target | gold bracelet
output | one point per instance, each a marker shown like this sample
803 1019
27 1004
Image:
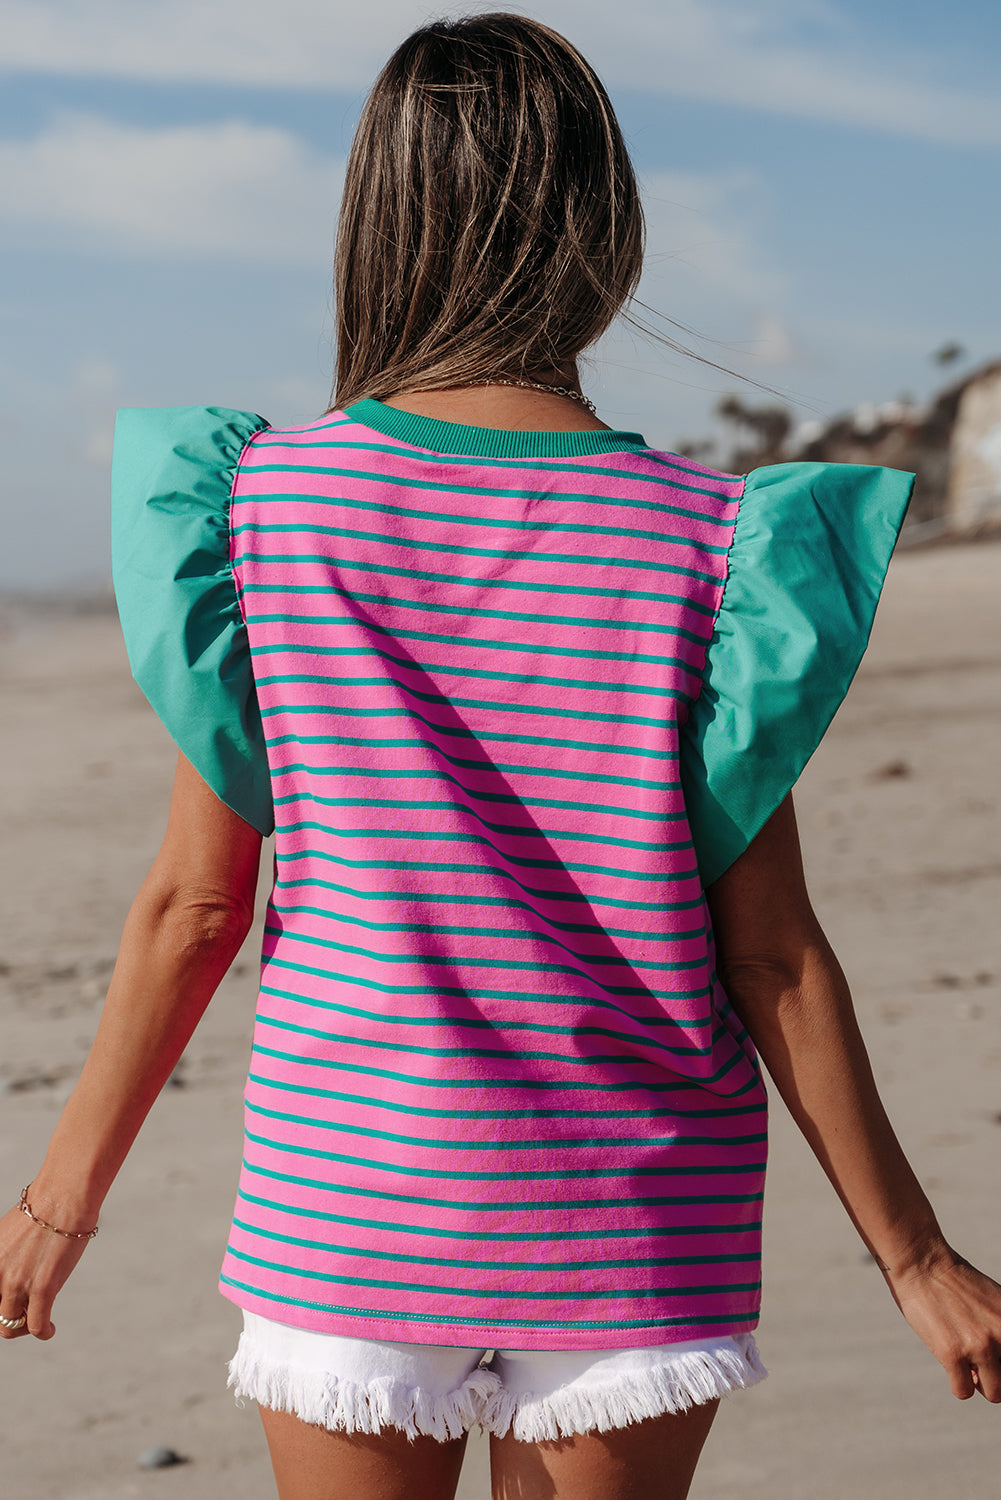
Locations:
68 1234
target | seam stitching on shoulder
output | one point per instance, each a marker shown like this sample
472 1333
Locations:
722 595
229 518
729 554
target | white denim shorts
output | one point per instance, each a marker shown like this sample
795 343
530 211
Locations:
363 1385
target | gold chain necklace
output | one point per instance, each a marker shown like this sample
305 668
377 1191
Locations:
556 390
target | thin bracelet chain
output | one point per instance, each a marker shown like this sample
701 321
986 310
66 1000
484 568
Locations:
68 1234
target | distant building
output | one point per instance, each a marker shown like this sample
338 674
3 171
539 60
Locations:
952 444
973 499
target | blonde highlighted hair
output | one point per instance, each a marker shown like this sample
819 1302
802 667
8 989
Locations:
491 222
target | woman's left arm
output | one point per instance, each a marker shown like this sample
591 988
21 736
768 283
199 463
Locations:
183 931
787 987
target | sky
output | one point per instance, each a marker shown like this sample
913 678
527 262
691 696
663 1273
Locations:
820 179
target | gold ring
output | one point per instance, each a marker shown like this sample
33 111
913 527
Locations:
14 1322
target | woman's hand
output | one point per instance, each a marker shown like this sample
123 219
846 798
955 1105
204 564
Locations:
182 933
787 987
956 1311
34 1265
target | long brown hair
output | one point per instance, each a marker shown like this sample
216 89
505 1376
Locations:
491 221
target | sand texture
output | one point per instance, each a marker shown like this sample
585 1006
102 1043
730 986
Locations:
899 816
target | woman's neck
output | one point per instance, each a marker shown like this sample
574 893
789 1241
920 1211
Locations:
511 407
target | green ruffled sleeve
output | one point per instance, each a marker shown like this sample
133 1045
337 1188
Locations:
810 551
171 478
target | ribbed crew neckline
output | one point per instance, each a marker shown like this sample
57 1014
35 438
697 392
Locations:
485 442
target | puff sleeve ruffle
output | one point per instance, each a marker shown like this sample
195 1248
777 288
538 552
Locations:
810 551
172 475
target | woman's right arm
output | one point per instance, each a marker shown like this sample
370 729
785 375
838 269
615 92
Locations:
788 989
184 929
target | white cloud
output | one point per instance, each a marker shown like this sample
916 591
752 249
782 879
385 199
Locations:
774 343
732 55
231 188
307 42
803 58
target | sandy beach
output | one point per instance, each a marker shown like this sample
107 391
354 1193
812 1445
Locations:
899 814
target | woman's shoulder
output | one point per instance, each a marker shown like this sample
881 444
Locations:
867 485
172 473
810 551
148 438
171 480
813 534
793 482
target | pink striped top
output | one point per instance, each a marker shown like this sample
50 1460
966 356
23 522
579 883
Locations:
510 700
497 1095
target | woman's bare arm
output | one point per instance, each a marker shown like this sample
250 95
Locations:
183 931
787 987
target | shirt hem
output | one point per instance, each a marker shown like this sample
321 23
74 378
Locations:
483 1335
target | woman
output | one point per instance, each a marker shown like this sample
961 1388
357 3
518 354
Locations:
524 701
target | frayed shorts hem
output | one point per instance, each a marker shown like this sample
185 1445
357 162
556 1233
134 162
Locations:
360 1385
